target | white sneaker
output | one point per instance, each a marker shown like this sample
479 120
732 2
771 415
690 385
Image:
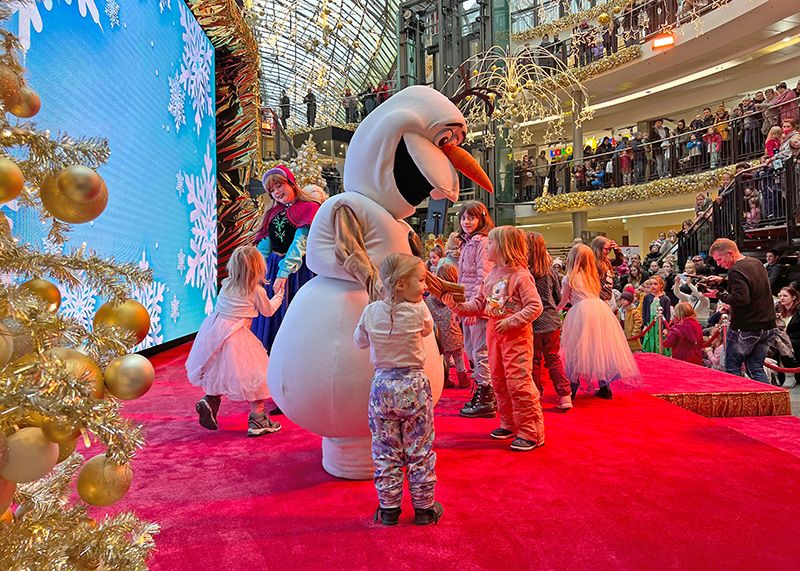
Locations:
564 402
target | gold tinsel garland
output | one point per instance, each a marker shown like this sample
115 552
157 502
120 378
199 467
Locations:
49 534
609 62
303 130
693 183
568 21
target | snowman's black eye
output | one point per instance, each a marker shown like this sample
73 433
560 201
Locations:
444 137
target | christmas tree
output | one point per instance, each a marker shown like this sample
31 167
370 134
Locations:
59 380
306 166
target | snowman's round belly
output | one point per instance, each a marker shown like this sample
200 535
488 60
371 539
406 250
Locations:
316 375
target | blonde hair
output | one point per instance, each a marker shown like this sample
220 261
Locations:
394 268
302 194
775 133
582 269
246 269
539 261
512 245
682 311
448 272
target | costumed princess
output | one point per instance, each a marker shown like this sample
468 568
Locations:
404 152
594 350
282 239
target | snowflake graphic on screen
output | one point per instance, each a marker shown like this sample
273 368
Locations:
202 196
79 302
176 102
112 11
195 72
175 308
151 296
181 261
51 247
30 16
179 186
163 4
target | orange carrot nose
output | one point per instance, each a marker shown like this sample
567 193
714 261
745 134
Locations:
467 165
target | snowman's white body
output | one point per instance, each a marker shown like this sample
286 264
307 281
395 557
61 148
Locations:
316 375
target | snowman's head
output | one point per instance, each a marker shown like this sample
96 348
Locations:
407 149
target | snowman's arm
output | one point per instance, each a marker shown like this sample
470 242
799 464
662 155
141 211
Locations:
351 252
436 285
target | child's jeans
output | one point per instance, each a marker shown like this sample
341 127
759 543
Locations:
510 358
545 356
401 422
475 346
455 359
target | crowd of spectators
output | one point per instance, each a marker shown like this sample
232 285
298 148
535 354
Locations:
762 126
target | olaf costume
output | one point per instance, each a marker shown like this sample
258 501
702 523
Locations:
402 153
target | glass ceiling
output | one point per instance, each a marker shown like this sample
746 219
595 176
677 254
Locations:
327 46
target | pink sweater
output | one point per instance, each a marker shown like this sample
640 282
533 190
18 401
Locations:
473 265
506 293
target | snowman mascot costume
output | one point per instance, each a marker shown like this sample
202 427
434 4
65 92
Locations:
403 152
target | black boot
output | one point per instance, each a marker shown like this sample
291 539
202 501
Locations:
471 403
485 406
604 392
387 516
463 381
427 516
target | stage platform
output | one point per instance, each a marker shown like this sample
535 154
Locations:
630 483
709 392
782 432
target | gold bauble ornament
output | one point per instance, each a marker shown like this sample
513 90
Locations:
45 291
27 105
21 339
77 195
30 456
65 450
60 432
9 86
32 417
617 10
130 315
604 18
130 376
81 367
7 489
11 180
102 482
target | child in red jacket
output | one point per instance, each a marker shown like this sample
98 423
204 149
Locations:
685 335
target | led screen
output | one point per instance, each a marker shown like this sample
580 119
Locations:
141 75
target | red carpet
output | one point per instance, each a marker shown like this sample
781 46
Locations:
782 432
708 392
633 483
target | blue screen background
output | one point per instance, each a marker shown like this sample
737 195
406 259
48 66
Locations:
143 78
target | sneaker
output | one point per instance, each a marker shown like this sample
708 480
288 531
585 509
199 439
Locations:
427 516
260 425
522 444
207 408
501 433
387 516
564 402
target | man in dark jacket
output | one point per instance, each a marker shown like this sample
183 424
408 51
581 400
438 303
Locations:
659 137
285 106
747 292
775 271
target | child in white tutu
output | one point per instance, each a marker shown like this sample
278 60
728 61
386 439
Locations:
593 346
226 358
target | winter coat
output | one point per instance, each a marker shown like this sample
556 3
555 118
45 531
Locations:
686 340
474 265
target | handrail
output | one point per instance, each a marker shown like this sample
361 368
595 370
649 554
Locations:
281 131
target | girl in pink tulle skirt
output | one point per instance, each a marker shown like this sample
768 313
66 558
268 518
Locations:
593 345
226 359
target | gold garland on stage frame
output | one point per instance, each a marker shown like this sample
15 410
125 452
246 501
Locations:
687 184
238 121
59 380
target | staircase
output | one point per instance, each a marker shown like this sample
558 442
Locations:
776 229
